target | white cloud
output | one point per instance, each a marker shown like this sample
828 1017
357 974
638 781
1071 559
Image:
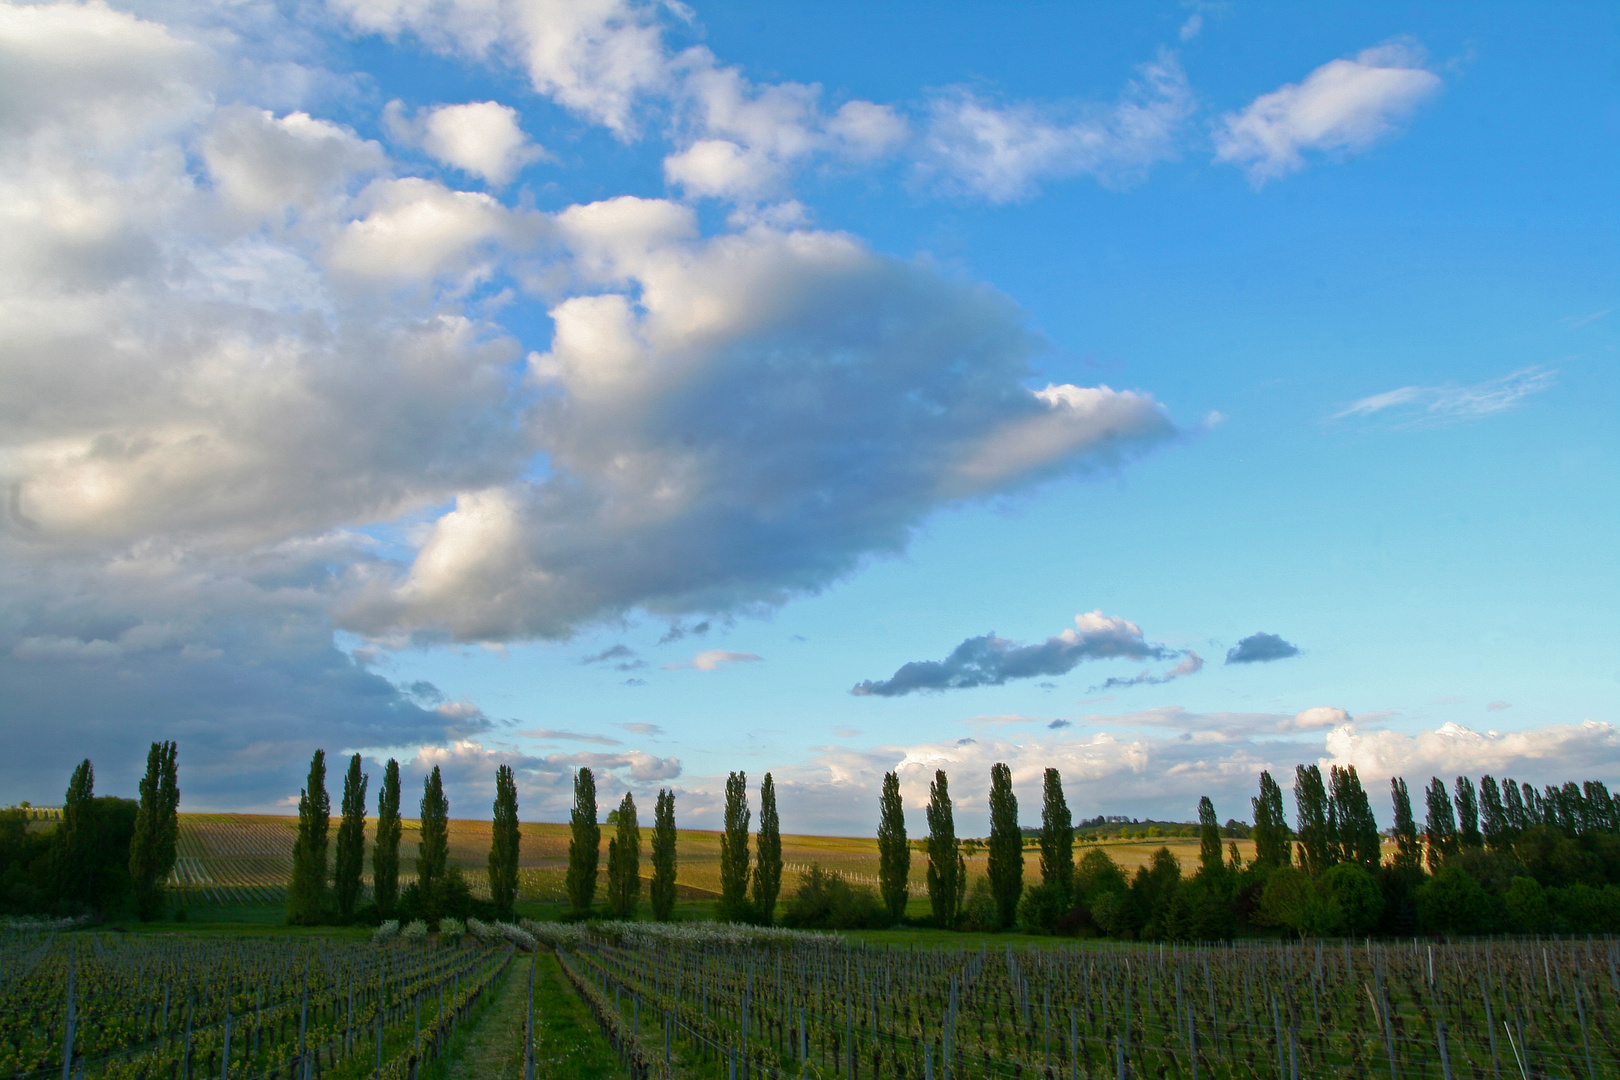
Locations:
1343 106
659 498
1001 152
1320 716
481 138
711 659
420 230
1422 405
1554 753
263 165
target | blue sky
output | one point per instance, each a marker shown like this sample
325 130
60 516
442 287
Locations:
602 383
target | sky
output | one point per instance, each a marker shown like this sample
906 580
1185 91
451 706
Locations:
1159 392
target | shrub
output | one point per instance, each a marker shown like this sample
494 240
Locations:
1040 909
1352 888
1527 907
414 931
451 929
1451 902
825 901
386 932
980 913
1112 912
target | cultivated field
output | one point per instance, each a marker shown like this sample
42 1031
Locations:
247 858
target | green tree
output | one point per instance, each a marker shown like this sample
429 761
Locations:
1315 830
1209 839
1292 900
734 851
1513 810
1354 891
1526 903
385 853
584 843
433 850
152 849
663 856
768 868
1440 826
1006 848
504 843
1451 902
74 848
1270 832
1351 809
1408 852
624 861
1468 834
1057 841
350 856
945 885
894 853
306 893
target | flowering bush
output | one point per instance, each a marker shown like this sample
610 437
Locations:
386 932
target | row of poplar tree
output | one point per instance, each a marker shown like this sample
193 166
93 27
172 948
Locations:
746 895
314 896
106 853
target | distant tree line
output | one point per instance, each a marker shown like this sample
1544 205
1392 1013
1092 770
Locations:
106 855
1491 858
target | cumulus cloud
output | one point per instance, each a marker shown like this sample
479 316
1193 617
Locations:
1418 406
991 661
1192 664
1556 752
874 391
1001 152
1320 716
481 138
1260 648
1343 106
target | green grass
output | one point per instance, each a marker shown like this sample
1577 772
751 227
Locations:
568 1044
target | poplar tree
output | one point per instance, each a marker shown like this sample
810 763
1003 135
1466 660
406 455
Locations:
945 863
1270 833
350 856
734 851
1513 808
385 853
152 848
894 853
1600 816
1358 829
1006 847
1494 827
433 850
663 856
73 847
1408 852
1209 839
307 891
768 869
1057 840
584 843
1534 812
1311 815
624 861
504 841
1440 825
1468 834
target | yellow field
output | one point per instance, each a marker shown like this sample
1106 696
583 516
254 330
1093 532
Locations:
247 858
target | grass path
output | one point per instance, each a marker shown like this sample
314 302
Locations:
569 1046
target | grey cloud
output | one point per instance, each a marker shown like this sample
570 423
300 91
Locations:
1191 665
626 657
677 631
991 661
1260 648
643 729
570 736
635 682
1059 725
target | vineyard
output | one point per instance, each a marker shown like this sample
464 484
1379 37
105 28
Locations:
817 1006
177 1008
702 1000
